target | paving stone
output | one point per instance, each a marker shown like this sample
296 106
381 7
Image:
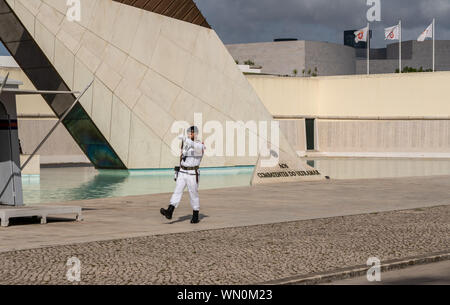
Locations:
242 255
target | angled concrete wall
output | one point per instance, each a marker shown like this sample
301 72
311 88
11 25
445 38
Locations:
185 10
42 74
150 70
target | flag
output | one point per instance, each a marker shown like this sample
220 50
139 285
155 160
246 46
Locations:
392 33
428 33
361 35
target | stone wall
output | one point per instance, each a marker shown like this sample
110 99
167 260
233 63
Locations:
280 58
295 132
329 58
398 136
414 54
383 115
372 138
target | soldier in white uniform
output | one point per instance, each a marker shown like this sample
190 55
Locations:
188 175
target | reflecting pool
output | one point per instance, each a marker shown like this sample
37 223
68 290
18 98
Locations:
79 183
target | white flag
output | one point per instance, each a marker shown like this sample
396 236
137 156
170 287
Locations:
361 35
428 33
392 33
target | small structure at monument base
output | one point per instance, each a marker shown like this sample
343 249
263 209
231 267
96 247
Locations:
288 169
11 166
10 173
42 212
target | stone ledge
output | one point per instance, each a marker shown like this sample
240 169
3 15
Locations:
40 211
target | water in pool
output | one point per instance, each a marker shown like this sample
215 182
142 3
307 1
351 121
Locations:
79 183
68 184
370 168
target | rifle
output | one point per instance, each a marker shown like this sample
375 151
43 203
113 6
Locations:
177 168
181 155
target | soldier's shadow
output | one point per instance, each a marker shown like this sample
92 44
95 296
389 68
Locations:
188 217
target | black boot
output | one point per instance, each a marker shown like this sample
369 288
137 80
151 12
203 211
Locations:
195 217
168 213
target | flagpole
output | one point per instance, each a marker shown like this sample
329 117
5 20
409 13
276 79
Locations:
434 44
400 47
368 48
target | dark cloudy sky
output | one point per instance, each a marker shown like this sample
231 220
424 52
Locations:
240 21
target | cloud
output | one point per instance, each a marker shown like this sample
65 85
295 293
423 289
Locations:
238 21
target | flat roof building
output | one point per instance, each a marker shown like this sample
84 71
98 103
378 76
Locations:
283 57
311 58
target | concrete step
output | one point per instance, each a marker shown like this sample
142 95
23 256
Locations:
37 211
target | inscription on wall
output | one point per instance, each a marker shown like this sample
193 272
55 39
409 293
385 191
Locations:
286 172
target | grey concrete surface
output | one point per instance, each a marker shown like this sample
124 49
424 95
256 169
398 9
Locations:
282 58
429 274
275 58
240 255
329 58
115 218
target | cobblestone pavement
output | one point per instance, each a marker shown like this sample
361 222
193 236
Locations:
242 255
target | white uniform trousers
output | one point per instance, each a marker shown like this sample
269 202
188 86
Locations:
190 181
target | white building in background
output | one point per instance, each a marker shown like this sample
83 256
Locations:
308 58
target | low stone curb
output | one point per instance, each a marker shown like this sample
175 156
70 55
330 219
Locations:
361 270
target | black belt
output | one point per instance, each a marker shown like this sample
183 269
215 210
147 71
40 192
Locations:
195 168
190 168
